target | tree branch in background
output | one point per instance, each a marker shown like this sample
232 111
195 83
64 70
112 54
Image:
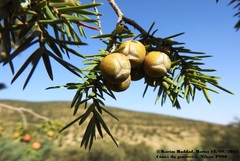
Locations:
21 111
237 5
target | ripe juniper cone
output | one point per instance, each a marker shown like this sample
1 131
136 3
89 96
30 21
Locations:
26 137
115 68
135 51
36 145
156 64
121 86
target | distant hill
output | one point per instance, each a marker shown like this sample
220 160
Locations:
140 136
155 130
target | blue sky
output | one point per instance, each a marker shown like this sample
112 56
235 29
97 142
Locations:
208 28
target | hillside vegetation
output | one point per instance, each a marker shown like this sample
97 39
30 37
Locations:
138 134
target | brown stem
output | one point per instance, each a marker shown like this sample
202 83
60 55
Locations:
134 24
117 10
127 20
98 18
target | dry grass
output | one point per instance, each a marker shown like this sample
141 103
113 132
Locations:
155 130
